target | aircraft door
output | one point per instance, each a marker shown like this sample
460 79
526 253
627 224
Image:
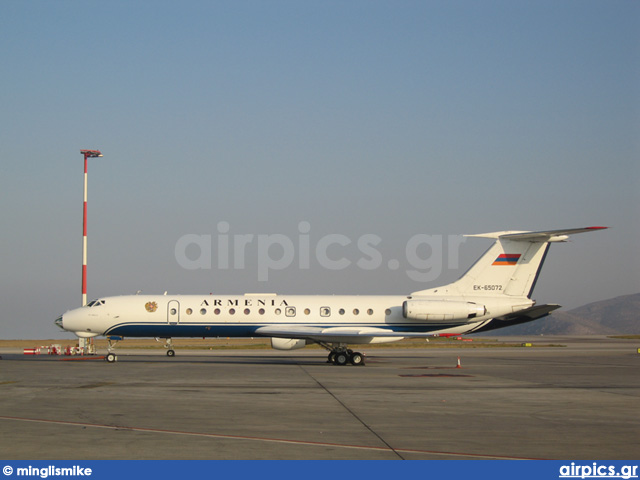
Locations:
173 312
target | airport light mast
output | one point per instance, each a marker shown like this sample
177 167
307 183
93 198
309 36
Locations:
87 154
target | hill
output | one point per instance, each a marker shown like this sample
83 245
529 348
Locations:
620 315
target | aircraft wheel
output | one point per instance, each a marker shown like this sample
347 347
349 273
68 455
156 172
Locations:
111 357
341 358
356 358
171 353
332 357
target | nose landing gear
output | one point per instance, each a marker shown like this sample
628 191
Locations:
168 344
112 341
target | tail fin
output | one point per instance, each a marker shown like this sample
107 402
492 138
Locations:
510 267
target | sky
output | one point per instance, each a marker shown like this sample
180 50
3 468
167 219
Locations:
301 147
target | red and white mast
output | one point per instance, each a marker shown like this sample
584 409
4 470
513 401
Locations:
87 154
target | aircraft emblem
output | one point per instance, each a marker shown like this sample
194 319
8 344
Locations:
151 306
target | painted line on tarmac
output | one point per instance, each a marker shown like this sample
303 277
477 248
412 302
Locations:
259 439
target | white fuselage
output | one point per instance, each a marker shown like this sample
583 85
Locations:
241 316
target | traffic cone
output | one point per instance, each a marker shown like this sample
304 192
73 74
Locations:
458 366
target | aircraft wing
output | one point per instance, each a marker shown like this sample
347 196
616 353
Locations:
332 334
339 334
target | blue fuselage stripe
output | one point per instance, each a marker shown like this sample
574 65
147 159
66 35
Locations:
200 330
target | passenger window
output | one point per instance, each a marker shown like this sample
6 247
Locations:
356 311
325 311
290 311
370 312
341 311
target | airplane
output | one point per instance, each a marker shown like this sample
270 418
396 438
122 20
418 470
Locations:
494 293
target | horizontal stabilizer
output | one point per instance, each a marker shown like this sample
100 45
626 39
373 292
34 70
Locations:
543 236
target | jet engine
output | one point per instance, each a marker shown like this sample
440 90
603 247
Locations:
434 310
288 343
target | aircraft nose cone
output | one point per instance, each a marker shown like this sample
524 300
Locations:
58 322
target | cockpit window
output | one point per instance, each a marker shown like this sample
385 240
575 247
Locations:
95 303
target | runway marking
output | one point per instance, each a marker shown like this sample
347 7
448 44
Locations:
75 359
353 414
430 368
260 439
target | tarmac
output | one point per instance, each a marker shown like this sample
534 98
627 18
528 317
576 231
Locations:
580 400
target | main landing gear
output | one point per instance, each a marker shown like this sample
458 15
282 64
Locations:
168 344
341 355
